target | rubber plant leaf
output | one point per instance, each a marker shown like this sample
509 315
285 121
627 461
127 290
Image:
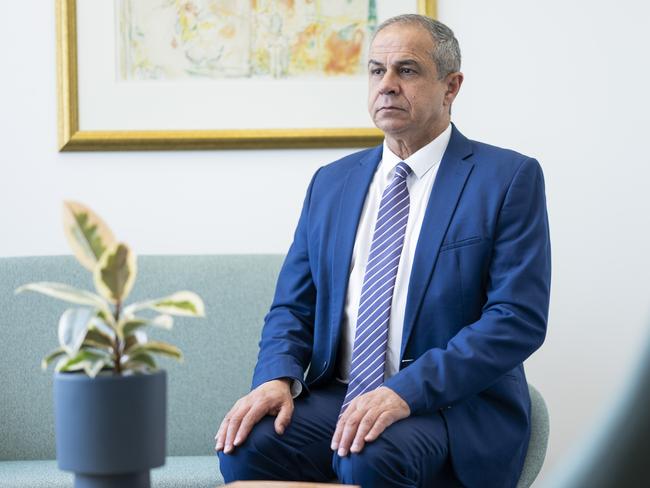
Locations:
89 361
66 293
58 352
115 273
73 327
87 234
142 361
154 347
180 303
131 325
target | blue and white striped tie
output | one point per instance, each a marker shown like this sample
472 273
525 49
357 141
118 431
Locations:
371 336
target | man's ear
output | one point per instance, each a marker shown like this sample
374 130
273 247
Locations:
454 81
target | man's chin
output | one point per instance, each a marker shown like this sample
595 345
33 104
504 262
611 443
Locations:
391 127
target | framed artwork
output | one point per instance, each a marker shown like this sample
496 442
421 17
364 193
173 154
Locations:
209 74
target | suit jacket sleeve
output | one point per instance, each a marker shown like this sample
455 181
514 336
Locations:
288 332
512 324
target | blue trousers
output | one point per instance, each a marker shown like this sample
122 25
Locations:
413 452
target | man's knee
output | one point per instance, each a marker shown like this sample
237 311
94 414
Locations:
382 464
371 467
251 459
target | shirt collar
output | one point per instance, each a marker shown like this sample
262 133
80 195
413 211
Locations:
420 161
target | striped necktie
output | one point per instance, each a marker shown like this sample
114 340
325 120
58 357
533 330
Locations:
371 336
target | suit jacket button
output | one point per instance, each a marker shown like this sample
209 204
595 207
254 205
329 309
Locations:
324 364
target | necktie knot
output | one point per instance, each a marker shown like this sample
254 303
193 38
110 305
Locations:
402 170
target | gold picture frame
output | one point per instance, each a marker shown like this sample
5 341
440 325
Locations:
72 138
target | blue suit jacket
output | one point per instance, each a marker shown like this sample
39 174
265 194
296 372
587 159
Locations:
477 299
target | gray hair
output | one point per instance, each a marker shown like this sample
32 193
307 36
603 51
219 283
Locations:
446 51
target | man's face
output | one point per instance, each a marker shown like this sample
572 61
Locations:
405 97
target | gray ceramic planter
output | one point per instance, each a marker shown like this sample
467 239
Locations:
110 430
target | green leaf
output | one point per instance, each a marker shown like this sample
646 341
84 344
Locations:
66 293
89 343
140 361
73 327
95 335
185 303
58 352
91 362
98 340
93 368
107 321
115 273
129 342
155 347
138 337
87 234
130 310
130 326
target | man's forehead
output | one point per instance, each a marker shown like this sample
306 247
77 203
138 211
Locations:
409 40
399 53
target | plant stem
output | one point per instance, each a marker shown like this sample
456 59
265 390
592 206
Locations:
118 343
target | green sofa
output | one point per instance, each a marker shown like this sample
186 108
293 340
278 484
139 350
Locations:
220 353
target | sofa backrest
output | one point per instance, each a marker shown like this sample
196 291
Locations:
220 350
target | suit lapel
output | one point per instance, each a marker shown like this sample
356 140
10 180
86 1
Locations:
353 197
447 189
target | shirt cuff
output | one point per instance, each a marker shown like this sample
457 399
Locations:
296 388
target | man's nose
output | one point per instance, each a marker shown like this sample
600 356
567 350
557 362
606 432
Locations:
389 84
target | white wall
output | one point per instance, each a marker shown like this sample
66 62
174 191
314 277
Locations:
564 81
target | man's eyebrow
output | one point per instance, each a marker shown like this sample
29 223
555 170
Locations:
401 62
404 62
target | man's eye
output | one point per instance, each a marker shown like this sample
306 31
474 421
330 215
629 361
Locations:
376 71
407 71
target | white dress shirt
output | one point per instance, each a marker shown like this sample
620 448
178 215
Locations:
424 163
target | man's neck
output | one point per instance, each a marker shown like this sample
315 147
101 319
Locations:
404 146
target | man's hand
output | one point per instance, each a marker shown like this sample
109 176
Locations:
366 417
270 398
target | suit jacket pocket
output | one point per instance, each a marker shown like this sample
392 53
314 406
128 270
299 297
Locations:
460 243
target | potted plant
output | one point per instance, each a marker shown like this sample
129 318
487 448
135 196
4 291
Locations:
109 395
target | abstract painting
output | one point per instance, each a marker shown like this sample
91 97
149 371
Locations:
184 39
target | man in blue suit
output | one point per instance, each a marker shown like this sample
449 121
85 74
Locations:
416 285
